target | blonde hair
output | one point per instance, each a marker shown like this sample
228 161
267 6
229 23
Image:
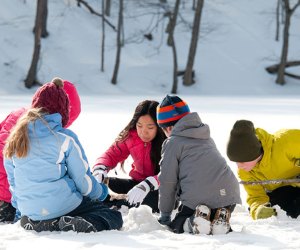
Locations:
18 141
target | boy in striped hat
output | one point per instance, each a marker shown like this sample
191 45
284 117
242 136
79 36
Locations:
193 170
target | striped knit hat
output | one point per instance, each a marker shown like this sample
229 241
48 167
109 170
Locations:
171 109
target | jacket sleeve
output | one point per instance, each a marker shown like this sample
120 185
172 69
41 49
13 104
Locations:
7 124
78 169
256 194
168 176
116 153
5 127
9 168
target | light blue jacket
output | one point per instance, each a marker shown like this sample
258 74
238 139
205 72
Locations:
53 178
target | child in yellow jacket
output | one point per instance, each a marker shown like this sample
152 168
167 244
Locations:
262 156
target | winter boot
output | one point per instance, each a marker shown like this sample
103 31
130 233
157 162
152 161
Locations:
39 225
220 224
199 223
7 212
76 224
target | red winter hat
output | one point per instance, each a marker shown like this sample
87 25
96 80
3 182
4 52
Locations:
53 99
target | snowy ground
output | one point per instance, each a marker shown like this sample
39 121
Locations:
236 44
104 116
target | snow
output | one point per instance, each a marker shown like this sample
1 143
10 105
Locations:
236 44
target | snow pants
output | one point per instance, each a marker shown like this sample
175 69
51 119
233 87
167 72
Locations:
288 198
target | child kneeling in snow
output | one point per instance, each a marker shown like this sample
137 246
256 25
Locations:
193 169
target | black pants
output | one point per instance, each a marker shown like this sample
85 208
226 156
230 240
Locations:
288 198
122 186
99 215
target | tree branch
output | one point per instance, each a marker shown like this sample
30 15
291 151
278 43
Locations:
267 182
95 13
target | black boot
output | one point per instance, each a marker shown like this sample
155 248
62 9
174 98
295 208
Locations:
39 225
76 224
7 212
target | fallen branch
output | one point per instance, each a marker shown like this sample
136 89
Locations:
114 195
274 68
267 182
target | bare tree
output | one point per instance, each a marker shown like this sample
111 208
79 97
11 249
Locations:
194 5
103 37
188 74
31 78
107 7
170 30
278 9
284 53
44 33
119 43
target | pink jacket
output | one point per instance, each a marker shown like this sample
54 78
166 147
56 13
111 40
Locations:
141 168
9 122
5 127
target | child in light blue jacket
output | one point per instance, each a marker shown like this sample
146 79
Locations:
48 172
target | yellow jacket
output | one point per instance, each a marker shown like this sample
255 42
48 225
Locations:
281 160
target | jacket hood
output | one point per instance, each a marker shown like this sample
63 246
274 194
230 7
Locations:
39 128
191 126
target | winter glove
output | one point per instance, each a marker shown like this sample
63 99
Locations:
100 173
104 192
265 211
165 219
137 194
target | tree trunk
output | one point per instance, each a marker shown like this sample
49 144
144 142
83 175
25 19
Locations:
31 78
188 75
103 38
277 20
44 32
107 7
119 44
172 24
171 43
194 5
175 66
284 53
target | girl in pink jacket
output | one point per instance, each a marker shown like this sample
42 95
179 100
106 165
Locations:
7 211
142 140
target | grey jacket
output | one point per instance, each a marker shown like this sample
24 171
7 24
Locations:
193 168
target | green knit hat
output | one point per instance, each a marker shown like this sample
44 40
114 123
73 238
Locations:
243 145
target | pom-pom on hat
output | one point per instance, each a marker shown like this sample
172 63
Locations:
243 144
52 98
171 109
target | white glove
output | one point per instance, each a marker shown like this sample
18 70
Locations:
137 194
100 173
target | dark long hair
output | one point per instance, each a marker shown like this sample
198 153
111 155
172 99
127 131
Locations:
146 107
